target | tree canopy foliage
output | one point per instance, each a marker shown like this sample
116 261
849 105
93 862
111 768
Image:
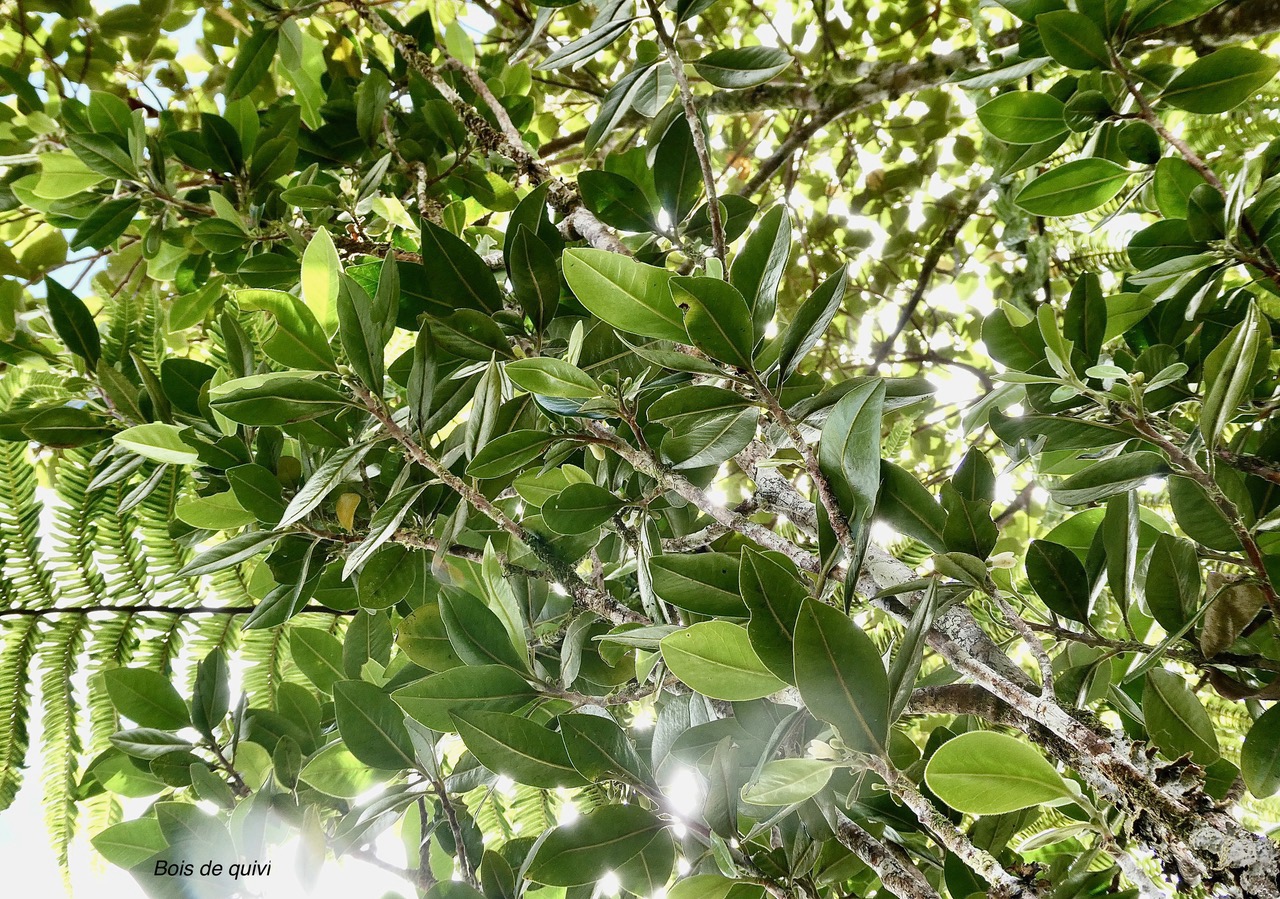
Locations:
709 448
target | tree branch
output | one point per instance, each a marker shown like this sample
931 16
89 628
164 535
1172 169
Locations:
929 265
695 128
902 879
506 141
589 597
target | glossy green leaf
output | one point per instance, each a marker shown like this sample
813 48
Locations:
490 688
705 583
627 294
526 752
548 376
372 726
742 67
1073 188
717 319
74 323
1260 755
601 841
1023 117
1059 578
509 452
849 451
716 659
788 781
1220 81
1176 720
147 698
841 677
1073 40
987 773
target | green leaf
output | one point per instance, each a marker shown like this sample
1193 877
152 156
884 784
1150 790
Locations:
298 340
1023 117
706 424
382 526
469 334
1120 537
455 277
257 490
716 659
1172 586
1058 577
147 698
849 449
253 61
106 223
599 748
717 319
1220 81
758 269
526 752
486 688
1200 517
773 591
1109 477
1260 755
211 699
986 773
705 583
548 376
334 771
318 654
101 154
617 200
788 781
276 399
629 295
1073 188
1150 14
535 281
130 843
73 322
188 829
361 330
580 508
332 472
601 841
1175 719
159 442
905 505
508 453
477 634
742 67
148 742
677 174
811 321
66 426
229 552
372 725
1231 371
841 677
423 638
1073 40
422 377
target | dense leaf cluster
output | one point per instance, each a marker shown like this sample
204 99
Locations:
554 423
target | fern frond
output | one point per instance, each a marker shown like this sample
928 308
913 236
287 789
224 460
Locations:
59 737
20 527
71 540
263 653
21 641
